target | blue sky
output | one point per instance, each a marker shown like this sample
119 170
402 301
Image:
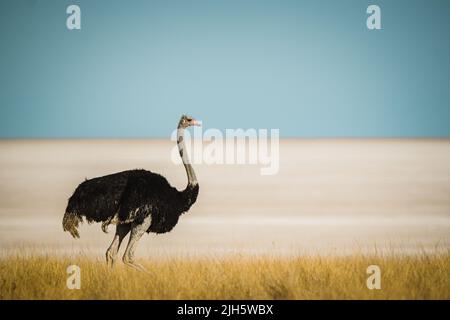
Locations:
309 68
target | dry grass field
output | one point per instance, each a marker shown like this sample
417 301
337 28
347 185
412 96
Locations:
423 276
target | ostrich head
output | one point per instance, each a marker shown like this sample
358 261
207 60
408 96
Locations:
187 121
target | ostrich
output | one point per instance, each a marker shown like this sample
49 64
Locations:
137 201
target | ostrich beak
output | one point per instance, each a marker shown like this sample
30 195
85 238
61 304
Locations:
196 123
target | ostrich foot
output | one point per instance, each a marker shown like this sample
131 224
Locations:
110 259
130 263
137 267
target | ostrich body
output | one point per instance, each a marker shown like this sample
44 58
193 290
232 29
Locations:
137 201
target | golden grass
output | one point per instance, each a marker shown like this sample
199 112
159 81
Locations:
236 277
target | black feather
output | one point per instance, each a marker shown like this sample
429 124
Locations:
133 195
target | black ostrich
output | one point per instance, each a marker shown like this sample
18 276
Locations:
135 200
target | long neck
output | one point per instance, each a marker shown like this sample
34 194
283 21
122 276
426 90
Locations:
192 179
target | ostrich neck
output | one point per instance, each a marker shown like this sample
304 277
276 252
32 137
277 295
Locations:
192 179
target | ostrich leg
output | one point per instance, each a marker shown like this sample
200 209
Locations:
137 230
111 254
